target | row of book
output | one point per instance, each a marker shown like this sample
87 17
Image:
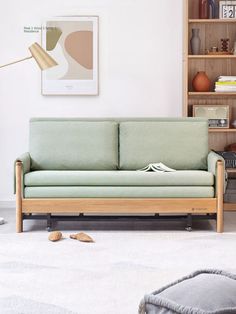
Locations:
225 84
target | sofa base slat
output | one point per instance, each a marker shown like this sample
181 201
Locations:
121 206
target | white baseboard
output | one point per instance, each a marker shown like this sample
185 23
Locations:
7 204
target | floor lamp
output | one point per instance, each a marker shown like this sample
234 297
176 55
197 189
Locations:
44 61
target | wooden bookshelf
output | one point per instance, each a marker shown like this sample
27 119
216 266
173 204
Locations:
210 32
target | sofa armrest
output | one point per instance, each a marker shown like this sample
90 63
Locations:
26 164
212 160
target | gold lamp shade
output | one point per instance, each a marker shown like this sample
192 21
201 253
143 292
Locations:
44 60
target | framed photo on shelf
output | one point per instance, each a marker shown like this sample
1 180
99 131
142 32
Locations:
73 43
218 115
227 9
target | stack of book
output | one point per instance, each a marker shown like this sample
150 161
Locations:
226 84
229 157
230 193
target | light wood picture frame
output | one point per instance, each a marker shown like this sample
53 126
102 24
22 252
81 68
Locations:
73 43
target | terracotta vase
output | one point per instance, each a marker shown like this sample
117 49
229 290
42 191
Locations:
201 82
203 9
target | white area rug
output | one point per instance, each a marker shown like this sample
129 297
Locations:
107 277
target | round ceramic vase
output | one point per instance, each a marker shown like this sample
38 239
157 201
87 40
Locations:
201 82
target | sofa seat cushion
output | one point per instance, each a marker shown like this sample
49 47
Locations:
118 178
119 191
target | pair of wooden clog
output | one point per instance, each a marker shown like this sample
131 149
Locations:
81 236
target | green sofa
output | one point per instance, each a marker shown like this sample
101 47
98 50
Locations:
89 166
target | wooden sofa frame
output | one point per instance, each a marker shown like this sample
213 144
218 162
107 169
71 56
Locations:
120 205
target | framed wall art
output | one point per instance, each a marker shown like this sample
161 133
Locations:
73 43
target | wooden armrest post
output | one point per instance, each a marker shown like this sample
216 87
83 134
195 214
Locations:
219 196
19 223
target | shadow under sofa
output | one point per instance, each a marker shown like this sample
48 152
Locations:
89 166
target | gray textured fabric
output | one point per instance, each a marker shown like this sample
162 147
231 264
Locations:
73 145
202 292
179 144
119 191
120 178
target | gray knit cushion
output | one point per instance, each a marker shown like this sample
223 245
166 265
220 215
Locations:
202 292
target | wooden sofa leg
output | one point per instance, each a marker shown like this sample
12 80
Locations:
220 193
19 222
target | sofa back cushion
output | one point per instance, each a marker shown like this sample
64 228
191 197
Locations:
180 143
73 144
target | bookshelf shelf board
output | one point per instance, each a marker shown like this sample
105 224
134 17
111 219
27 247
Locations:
226 94
212 56
231 170
229 207
222 130
212 21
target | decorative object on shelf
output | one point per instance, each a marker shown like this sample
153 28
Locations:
214 49
225 44
201 82
231 148
74 42
226 84
234 124
227 9
195 9
234 49
195 41
213 9
218 115
203 9
218 53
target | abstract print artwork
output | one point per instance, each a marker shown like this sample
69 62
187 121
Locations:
73 43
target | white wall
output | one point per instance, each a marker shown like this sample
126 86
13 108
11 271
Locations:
140 48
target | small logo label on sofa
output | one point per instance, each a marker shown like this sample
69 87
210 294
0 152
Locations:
194 209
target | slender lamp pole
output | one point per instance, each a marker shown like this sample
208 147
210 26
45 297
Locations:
44 61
